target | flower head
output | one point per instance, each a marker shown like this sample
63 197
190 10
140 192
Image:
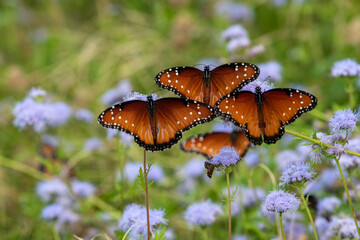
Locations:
343 120
138 96
237 37
328 205
344 228
52 211
223 127
192 169
227 156
116 94
83 189
299 172
252 158
287 157
345 68
93 144
337 150
134 217
84 115
234 11
279 201
350 161
262 83
270 69
202 213
51 188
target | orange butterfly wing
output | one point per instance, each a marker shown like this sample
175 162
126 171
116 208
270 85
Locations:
227 78
282 106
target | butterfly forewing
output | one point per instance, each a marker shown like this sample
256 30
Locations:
229 77
241 109
184 81
175 115
131 117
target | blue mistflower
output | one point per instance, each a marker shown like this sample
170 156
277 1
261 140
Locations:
279 201
345 68
134 217
116 94
299 172
234 11
227 156
344 228
84 115
328 205
83 189
343 120
92 144
270 69
350 161
237 37
192 169
202 213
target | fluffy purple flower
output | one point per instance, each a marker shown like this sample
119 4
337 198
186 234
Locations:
328 205
343 120
345 68
237 37
298 172
36 92
252 158
262 83
202 213
239 237
223 127
350 161
92 144
57 113
116 94
51 188
52 211
353 145
337 149
344 228
131 171
83 189
270 69
279 201
227 156
134 217
50 140
84 115
192 169
234 11
138 96
326 180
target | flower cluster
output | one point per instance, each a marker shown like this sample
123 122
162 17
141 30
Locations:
131 171
116 94
328 205
279 201
63 206
39 114
134 217
343 120
297 173
237 37
202 213
227 156
345 68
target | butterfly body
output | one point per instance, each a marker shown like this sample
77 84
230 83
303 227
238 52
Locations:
207 86
156 124
264 114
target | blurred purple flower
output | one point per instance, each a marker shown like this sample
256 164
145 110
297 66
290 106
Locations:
52 211
293 226
328 205
202 213
36 92
234 11
138 96
93 144
83 189
126 138
239 237
39 35
270 69
252 158
223 127
227 156
134 217
345 68
249 196
84 115
298 172
194 168
131 171
279 201
350 161
51 188
343 120
322 227
337 150
117 94
326 180
344 228
263 84
237 37
57 113
257 49
353 144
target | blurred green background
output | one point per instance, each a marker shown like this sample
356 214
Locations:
78 49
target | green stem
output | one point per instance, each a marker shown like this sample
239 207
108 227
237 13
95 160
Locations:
18 166
308 212
204 233
229 202
282 227
348 195
350 92
318 142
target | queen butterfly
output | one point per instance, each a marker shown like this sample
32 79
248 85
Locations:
210 144
207 86
156 124
263 115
